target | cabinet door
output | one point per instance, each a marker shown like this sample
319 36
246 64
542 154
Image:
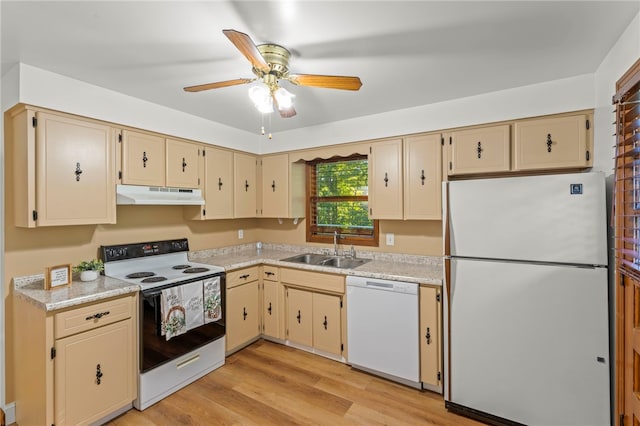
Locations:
244 203
430 338
143 159
243 322
270 309
423 177
75 171
385 180
327 324
481 150
299 316
218 186
551 143
91 378
275 186
182 164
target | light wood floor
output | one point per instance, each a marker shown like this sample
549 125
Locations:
272 384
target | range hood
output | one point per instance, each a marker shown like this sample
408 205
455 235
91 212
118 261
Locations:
154 195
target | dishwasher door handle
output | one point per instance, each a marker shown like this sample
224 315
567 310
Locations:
386 286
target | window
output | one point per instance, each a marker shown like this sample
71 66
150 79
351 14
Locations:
627 181
338 201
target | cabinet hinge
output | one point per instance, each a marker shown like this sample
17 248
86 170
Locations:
622 280
588 124
439 376
587 156
340 303
621 419
450 140
119 174
204 212
341 347
34 122
370 150
53 353
442 140
198 181
119 137
204 152
450 165
34 215
437 297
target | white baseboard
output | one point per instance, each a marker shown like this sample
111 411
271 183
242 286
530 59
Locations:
10 413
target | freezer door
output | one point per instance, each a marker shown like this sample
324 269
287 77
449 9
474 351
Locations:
529 342
553 218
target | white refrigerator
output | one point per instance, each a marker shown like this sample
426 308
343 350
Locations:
526 315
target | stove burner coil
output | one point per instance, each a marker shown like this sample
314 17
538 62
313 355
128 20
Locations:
181 267
195 270
153 279
141 275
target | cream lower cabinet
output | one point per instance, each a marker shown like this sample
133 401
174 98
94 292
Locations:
272 298
315 318
431 337
243 323
62 169
67 371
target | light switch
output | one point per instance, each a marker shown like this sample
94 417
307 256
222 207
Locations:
391 239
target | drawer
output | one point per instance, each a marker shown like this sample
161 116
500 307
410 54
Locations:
242 276
270 273
93 316
313 280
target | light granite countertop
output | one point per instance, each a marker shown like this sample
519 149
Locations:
31 289
389 266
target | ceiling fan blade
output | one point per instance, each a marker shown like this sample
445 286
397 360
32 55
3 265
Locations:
217 85
248 48
284 112
327 81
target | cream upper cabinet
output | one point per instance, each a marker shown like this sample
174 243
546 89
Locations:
430 337
283 187
245 182
423 177
182 164
63 169
385 180
553 143
479 150
143 159
216 182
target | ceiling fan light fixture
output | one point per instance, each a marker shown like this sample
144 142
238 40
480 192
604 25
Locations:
284 98
260 95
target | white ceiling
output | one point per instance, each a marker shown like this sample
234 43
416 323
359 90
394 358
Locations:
406 53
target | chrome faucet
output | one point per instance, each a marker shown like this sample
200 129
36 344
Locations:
335 243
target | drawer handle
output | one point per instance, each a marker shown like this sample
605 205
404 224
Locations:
479 149
98 374
428 336
269 308
97 316
268 273
299 316
244 277
549 142
244 314
325 323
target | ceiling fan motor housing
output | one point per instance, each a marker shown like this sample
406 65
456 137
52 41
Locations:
278 59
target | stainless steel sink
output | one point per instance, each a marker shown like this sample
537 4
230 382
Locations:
324 260
306 258
343 262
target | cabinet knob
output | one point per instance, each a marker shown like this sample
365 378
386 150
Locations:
273 186
98 374
479 149
386 179
428 336
97 315
244 314
144 159
219 184
184 164
245 276
269 273
422 177
78 172
246 185
549 142
325 323
269 309
299 317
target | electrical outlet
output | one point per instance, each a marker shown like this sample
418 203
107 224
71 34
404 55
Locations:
240 234
391 239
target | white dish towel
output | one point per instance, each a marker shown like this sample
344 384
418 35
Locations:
212 300
173 313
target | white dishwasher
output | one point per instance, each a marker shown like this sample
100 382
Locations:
382 328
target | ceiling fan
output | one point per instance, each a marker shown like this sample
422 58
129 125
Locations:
270 65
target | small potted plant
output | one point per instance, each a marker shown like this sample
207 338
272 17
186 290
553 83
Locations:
89 270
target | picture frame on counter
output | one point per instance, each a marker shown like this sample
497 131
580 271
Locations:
57 276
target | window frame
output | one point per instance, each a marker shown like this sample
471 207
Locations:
315 234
